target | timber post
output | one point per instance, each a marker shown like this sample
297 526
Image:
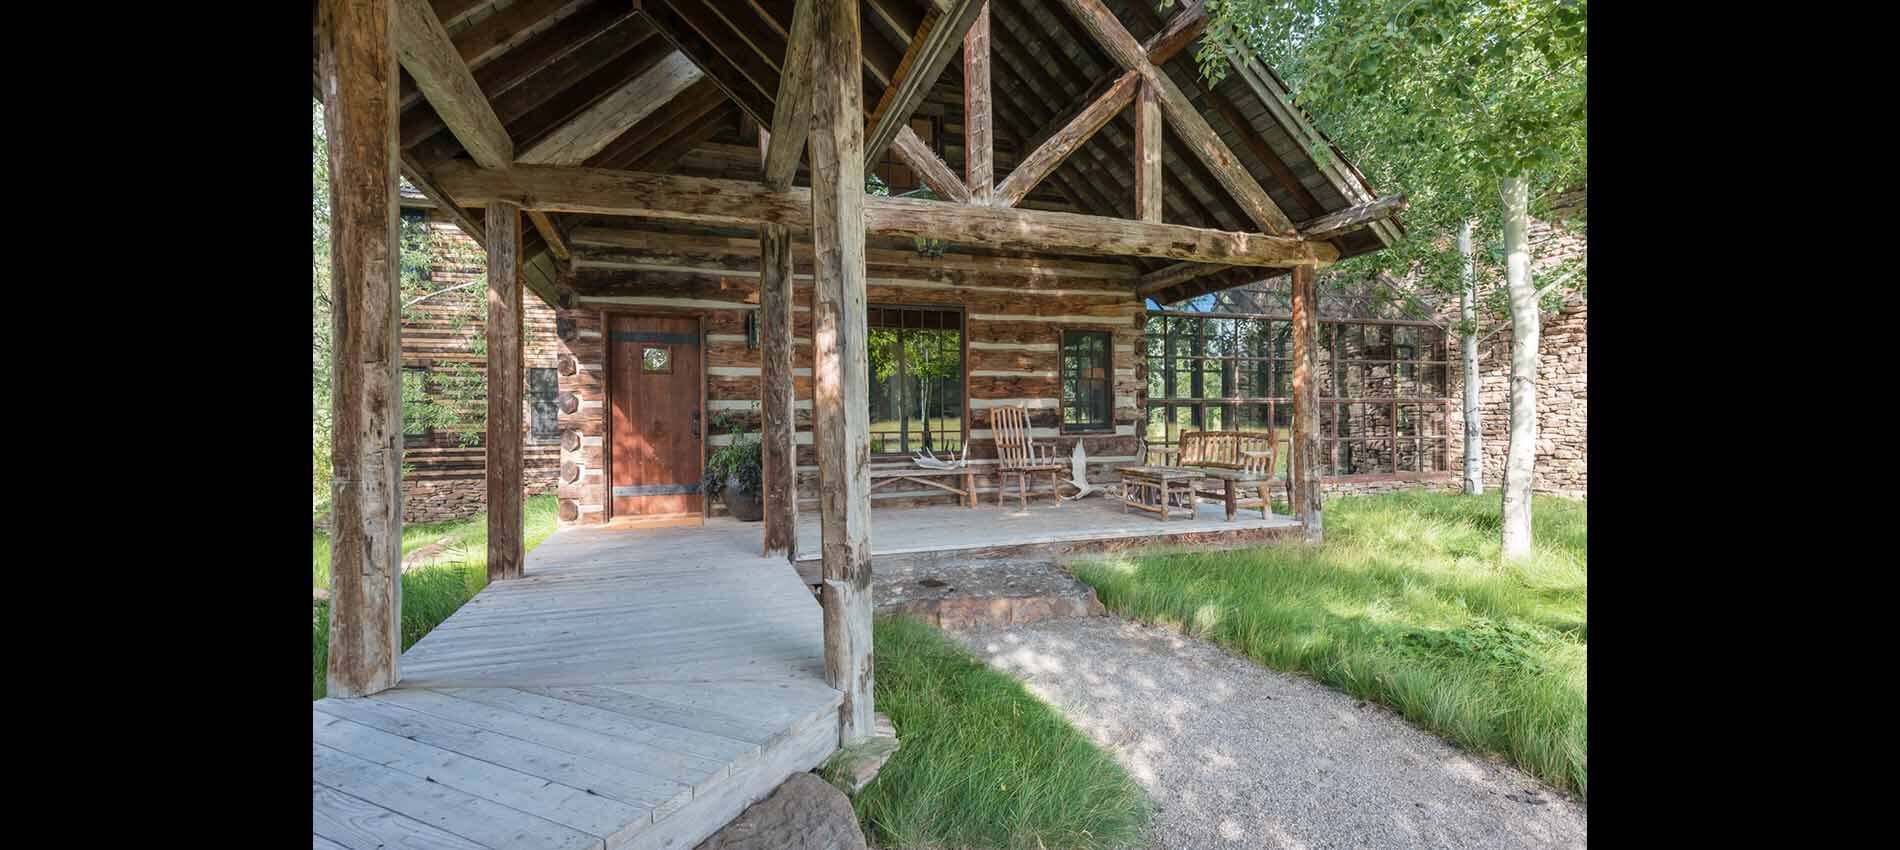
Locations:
979 167
1304 471
778 452
357 71
840 373
504 443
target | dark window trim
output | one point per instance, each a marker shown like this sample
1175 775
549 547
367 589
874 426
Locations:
1107 425
554 433
427 437
963 362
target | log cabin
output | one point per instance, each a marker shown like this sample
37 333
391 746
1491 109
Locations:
805 219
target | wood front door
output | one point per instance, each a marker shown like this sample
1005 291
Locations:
656 431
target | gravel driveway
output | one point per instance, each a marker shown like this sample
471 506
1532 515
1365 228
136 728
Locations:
1236 755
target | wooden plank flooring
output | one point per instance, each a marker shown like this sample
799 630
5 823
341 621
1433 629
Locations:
640 687
636 689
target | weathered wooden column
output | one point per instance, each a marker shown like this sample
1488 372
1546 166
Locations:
505 552
778 450
357 64
1303 466
840 373
979 169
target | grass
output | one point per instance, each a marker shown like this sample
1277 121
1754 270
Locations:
983 762
1405 604
429 593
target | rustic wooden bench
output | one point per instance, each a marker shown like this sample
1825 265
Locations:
920 475
1236 459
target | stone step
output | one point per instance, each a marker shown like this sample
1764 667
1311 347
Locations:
980 593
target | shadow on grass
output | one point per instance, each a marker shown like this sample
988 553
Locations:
983 763
1405 604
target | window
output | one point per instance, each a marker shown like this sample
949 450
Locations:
916 360
1087 389
656 359
544 418
415 400
1382 387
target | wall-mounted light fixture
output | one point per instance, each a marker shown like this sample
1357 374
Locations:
752 329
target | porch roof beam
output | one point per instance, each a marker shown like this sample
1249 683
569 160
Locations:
706 200
791 125
1052 152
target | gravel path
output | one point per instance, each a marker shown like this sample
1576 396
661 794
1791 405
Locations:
1236 755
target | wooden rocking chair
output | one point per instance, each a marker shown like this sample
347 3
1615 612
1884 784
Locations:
1022 457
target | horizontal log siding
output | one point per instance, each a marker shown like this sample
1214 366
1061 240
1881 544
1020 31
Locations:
1013 321
444 479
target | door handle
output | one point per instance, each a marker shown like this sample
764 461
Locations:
695 424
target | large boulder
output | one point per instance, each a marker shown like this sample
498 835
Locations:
805 813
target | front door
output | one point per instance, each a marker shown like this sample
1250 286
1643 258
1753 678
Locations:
655 432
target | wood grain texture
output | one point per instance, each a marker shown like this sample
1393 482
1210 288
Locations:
424 48
1303 465
1148 155
841 374
931 47
916 153
1180 31
979 166
504 439
357 70
1187 122
1354 217
587 132
791 111
1032 169
699 199
778 454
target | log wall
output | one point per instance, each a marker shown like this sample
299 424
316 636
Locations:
1013 321
442 478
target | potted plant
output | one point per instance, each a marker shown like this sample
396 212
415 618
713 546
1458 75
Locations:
734 473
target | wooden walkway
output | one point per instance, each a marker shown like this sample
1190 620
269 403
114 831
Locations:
636 689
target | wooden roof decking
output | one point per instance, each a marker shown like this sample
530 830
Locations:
546 65
608 699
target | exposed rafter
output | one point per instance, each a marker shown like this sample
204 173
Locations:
1186 26
586 133
425 51
930 167
1201 139
937 39
1051 153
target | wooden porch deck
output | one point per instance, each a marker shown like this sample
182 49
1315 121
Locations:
609 699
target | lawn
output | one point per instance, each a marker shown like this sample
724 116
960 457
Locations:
983 762
429 593
1405 604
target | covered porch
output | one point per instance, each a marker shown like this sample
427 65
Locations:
687 184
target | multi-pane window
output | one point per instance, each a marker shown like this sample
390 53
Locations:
1088 399
1382 385
916 360
544 418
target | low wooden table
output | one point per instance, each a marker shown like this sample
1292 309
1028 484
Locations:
920 475
1162 481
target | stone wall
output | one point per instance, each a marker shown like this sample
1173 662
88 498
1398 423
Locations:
1562 405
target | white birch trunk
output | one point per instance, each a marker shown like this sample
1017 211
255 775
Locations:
1521 459
1474 380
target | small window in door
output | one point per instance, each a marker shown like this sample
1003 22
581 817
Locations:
656 359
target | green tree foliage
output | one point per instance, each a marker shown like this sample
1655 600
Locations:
1440 99
452 397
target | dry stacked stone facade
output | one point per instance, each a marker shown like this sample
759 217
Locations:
1563 408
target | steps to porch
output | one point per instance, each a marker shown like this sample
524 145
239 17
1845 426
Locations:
635 690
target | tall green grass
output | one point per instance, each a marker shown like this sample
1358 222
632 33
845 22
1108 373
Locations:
429 593
983 762
1406 604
